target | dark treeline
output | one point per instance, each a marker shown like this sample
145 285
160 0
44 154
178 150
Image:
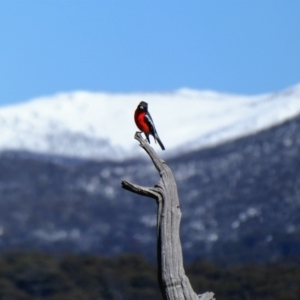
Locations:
130 277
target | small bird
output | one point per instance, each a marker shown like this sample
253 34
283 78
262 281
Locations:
145 123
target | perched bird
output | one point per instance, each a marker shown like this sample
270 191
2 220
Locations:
145 123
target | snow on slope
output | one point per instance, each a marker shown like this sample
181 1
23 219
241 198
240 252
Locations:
101 126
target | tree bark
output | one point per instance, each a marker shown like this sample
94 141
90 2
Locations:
173 282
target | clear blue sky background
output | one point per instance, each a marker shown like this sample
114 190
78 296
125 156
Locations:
233 46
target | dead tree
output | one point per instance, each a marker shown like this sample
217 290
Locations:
173 282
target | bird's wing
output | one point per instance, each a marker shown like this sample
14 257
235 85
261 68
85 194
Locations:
153 131
150 122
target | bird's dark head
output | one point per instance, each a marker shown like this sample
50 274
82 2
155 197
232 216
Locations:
143 106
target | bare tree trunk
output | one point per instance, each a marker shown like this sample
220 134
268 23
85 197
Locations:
173 282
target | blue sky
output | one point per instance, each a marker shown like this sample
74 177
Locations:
235 46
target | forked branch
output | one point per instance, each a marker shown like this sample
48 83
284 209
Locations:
173 282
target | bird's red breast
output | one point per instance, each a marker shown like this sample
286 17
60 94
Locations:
139 117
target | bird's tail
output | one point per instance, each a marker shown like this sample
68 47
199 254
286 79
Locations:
160 142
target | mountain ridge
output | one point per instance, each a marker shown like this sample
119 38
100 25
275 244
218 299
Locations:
90 125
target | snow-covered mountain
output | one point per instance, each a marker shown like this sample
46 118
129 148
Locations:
101 126
240 200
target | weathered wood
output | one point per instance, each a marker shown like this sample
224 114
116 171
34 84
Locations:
173 282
